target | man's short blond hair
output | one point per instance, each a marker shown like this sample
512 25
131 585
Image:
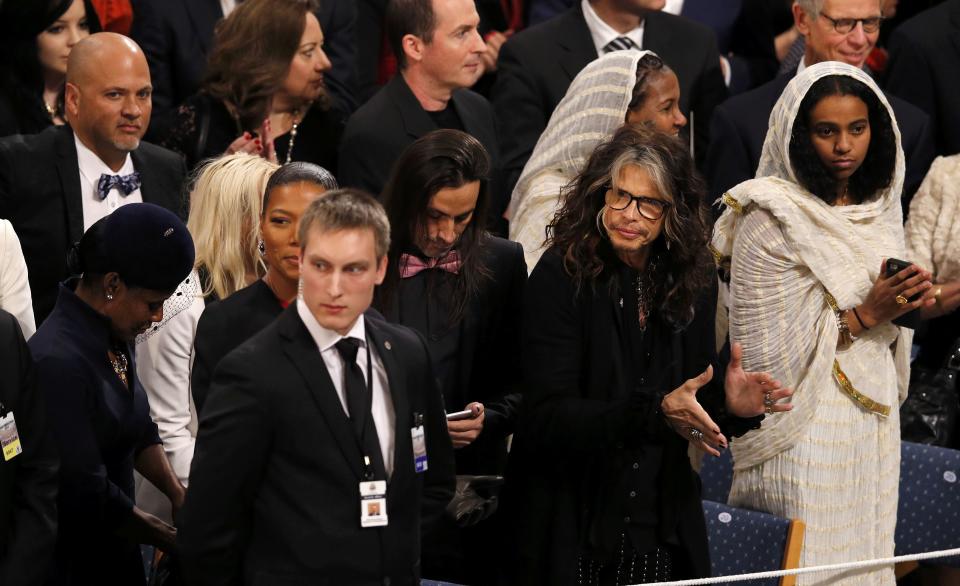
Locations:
347 209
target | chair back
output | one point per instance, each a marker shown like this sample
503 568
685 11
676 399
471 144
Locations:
928 515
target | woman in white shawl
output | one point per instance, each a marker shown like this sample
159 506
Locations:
804 244
622 86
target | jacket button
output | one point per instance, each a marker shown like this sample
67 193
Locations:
386 581
636 465
633 494
626 519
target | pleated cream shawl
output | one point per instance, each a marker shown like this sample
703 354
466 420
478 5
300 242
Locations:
933 226
594 106
787 250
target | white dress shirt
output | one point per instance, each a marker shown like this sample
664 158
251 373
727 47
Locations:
602 33
14 286
227 6
673 7
384 417
91 168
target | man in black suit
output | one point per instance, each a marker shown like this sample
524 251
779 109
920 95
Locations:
537 65
56 184
439 54
923 67
462 289
177 35
323 440
740 124
28 479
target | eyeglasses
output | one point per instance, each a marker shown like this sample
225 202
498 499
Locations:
845 25
649 208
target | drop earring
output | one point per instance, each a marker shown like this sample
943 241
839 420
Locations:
109 296
261 247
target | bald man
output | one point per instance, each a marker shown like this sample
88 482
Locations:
56 184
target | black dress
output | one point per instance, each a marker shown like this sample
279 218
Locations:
223 326
100 425
595 470
203 128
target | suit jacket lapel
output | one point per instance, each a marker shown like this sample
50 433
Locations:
576 42
396 378
302 351
415 120
149 190
69 171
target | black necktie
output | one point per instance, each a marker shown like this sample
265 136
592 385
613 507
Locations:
359 402
619 44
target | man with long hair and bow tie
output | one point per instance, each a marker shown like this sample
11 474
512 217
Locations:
462 289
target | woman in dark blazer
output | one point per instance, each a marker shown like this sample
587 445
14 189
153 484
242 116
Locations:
130 262
263 92
620 374
227 323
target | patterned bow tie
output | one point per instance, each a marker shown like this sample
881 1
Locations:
126 184
411 265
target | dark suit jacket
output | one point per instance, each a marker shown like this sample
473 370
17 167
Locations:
274 485
489 365
536 67
378 132
924 66
28 482
583 420
223 326
745 35
740 125
177 36
40 195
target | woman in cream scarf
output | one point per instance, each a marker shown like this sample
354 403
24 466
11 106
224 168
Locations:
804 244
622 86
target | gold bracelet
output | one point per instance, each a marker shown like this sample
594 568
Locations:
846 338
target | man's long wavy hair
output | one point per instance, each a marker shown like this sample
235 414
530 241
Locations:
251 55
684 264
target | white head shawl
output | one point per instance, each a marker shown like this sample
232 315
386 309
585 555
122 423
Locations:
842 246
594 106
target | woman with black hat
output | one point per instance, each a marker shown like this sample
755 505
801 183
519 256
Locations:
129 263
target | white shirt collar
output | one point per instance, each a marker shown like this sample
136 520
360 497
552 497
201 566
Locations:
673 7
326 339
602 33
92 166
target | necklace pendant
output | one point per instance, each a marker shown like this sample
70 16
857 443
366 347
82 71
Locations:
621 303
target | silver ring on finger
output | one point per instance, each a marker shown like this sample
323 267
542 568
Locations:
768 400
696 435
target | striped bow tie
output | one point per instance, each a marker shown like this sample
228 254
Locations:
619 44
126 184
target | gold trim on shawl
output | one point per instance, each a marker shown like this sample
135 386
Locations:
733 204
848 389
722 261
845 385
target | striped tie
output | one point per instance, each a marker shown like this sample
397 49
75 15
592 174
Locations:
619 44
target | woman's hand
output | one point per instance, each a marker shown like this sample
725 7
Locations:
749 394
246 143
881 303
689 419
946 299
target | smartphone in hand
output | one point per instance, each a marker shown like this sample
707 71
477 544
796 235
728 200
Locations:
911 319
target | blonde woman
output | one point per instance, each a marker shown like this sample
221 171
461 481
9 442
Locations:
224 222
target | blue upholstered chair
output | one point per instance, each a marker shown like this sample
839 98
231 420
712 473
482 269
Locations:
928 516
716 475
743 541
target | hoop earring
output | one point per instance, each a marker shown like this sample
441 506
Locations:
601 227
261 247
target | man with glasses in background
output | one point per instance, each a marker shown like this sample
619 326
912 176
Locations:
833 30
